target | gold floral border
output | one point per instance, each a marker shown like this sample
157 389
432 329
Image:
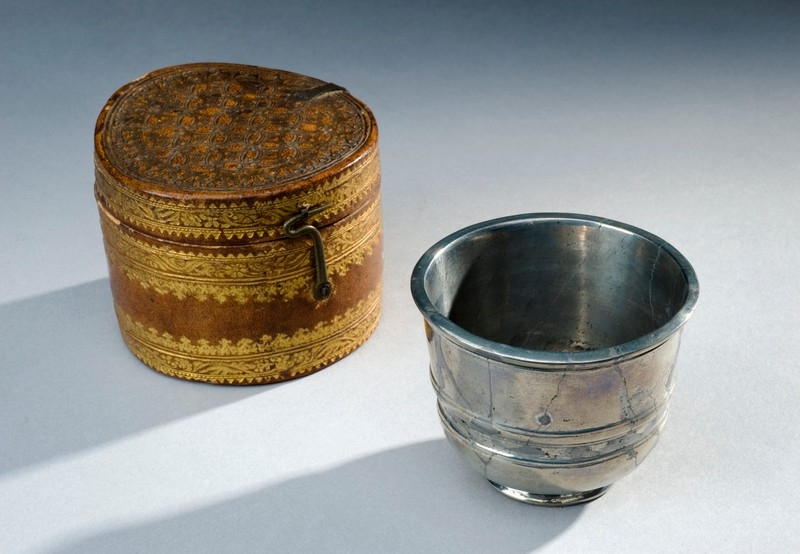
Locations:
231 220
282 269
247 361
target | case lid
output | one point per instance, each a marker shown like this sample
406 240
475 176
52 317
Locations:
224 153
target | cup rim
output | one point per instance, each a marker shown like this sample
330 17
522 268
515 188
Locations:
542 358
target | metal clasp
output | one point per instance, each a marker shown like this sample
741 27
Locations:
322 288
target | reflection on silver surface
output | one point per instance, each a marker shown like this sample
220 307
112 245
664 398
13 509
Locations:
553 339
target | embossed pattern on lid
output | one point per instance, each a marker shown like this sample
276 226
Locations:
207 127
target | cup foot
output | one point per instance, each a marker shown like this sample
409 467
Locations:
554 500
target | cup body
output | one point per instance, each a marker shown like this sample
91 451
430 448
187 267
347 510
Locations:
553 340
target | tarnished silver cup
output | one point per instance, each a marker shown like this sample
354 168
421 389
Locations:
553 340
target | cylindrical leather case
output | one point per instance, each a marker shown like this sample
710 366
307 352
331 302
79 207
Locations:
240 209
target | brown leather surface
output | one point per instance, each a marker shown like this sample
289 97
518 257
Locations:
197 168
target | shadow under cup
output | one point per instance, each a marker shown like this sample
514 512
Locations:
553 340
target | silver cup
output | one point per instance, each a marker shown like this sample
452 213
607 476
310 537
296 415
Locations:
553 340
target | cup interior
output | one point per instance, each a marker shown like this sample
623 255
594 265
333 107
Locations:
557 284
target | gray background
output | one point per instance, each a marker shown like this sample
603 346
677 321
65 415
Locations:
680 119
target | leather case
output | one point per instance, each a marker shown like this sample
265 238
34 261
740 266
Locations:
240 209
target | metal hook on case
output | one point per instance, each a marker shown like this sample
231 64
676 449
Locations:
322 288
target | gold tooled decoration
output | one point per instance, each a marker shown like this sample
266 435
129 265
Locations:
281 268
230 219
247 361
